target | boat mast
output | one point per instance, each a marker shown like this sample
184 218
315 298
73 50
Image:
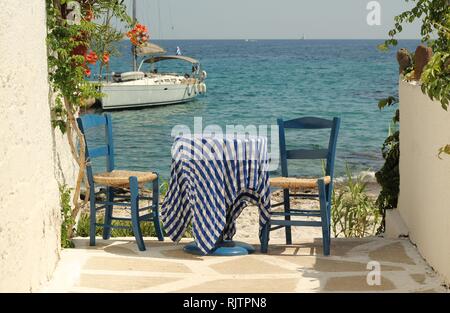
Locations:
134 47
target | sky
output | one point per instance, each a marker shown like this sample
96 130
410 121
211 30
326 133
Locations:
269 19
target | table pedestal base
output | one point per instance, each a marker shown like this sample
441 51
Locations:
225 248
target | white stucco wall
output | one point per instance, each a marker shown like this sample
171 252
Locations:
424 203
29 197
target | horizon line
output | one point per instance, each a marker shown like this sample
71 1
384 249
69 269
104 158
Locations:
296 39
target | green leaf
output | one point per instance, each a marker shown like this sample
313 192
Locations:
445 149
383 47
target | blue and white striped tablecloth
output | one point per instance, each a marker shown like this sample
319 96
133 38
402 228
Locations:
212 181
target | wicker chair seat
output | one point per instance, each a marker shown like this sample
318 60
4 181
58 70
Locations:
121 178
297 183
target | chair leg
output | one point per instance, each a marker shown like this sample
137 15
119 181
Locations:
329 218
329 190
265 238
325 218
134 191
92 216
108 214
155 210
287 209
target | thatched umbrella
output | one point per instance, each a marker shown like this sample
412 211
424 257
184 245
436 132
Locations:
149 48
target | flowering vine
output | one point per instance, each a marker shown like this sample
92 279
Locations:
71 29
138 35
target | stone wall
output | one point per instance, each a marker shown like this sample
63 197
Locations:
30 164
424 204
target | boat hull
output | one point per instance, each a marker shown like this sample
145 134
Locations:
119 96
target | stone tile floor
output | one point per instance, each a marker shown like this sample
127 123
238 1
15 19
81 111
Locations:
117 266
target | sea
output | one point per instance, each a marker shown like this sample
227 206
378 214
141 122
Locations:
255 82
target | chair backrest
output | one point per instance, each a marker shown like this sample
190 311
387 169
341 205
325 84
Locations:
309 123
85 122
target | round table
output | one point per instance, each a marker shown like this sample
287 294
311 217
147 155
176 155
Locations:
212 180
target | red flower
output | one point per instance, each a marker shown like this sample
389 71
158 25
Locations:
91 57
106 58
87 72
141 28
89 15
138 35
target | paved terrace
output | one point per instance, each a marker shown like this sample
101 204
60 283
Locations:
117 266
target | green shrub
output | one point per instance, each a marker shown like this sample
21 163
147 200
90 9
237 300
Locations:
354 213
147 228
163 188
388 176
66 217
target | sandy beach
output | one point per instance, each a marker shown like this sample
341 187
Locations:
248 226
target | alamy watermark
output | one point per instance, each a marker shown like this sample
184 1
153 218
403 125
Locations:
234 143
373 278
374 15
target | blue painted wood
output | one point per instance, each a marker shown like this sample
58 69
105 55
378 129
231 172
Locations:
98 152
332 157
89 121
89 173
92 215
134 194
282 140
155 202
107 149
265 237
92 120
108 214
284 173
308 123
227 248
325 218
307 154
110 142
287 217
92 207
325 191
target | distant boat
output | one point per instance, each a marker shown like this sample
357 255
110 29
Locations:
303 37
140 88
250 40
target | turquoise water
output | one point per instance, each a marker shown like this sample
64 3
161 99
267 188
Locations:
254 83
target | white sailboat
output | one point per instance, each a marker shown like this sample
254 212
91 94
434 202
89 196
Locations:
144 88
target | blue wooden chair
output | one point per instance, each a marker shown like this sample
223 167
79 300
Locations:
324 185
116 184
